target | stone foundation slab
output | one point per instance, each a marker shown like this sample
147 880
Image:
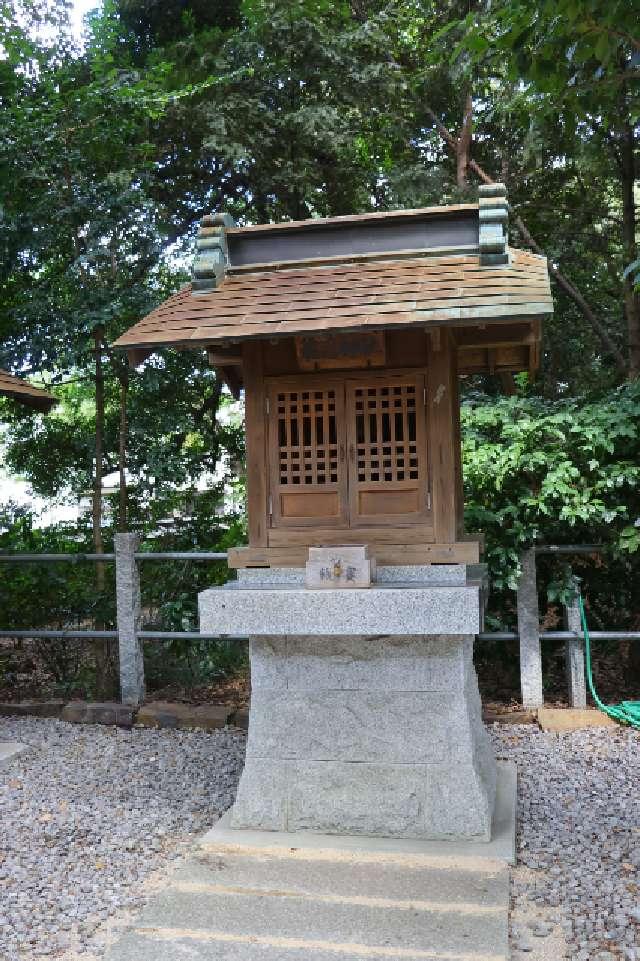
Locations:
383 609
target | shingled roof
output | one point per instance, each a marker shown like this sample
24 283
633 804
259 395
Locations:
442 266
24 393
376 294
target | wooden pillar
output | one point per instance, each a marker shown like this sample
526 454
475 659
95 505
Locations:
257 493
457 442
442 413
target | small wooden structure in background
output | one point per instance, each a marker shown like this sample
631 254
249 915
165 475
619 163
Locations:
24 393
348 336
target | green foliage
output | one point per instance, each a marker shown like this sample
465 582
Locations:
569 49
276 109
182 439
190 664
561 472
55 596
64 596
562 96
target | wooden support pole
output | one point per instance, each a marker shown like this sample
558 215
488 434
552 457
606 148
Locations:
257 493
442 414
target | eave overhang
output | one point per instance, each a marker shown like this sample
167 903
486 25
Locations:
433 267
24 393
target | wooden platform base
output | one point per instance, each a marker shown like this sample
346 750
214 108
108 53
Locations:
463 552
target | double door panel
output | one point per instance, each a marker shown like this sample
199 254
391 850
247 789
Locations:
348 452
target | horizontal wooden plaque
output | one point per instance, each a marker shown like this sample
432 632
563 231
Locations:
341 351
348 553
385 553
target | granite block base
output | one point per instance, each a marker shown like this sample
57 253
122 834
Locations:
501 847
365 714
364 735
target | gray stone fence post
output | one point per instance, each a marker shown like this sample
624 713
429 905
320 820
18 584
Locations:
529 631
128 607
574 655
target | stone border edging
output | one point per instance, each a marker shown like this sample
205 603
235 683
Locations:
157 714
209 717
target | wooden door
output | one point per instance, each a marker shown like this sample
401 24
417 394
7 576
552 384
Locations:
387 453
307 453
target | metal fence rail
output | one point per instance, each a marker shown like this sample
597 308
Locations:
562 635
38 634
53 558
51 634
201 556
130 636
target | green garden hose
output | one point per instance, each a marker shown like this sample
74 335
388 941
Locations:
627 712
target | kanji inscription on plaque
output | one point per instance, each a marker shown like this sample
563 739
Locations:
339 566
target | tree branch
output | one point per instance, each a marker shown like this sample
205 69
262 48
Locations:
629 38
463 144
563 282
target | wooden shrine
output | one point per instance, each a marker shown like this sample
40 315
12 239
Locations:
25 393
348 336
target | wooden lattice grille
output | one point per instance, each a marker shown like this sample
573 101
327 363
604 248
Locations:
350 451
307 437
388 476
386 447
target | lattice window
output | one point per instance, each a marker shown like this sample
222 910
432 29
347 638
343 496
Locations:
386 444
307 437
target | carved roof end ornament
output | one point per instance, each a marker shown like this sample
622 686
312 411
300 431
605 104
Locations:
494 216
212 257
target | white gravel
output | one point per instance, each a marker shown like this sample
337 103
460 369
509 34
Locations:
89 813
579 842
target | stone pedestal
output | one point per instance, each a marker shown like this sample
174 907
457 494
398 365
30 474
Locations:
361 734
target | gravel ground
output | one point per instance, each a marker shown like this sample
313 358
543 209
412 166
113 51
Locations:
91 814
576 890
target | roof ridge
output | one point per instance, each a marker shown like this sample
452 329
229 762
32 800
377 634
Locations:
341 219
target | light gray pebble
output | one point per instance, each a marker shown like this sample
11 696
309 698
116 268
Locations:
89 812
579 809
542 930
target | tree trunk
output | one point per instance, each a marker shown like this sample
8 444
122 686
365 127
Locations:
104 650
122 452
463 145
96 512
563 282
630 246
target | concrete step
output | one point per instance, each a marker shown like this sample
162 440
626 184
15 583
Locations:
346 876
240 912
134 947
323 906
